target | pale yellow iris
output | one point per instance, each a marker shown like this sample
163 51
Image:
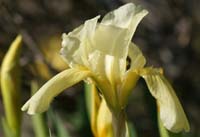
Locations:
98 52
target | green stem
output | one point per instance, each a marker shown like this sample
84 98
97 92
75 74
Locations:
39 125
119 124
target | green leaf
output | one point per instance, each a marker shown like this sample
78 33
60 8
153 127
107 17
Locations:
11 86
6 129
57 123
61 130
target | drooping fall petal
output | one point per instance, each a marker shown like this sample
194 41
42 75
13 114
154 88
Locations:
169 108
41 100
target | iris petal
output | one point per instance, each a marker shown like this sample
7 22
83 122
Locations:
111 42
137 59
111 37
169 108
106 74
130 78
41 100
127 18
104 121
75 47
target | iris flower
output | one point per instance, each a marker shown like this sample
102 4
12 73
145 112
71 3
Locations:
103 54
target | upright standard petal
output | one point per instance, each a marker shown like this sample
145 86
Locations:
106 61
106 75
169 108
41 100
75 45
127 18
112 39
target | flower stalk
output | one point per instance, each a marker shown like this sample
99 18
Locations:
119 124
38 120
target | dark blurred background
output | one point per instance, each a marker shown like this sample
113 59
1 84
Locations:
169 37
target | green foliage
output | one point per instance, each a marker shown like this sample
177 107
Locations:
6 128
132 130
11 88
58 124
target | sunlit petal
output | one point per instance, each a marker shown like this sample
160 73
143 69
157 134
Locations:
107 74
169 108
127 18
137 60
93 103
74 44
41 100
111 43
104 121
130 78
110 40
